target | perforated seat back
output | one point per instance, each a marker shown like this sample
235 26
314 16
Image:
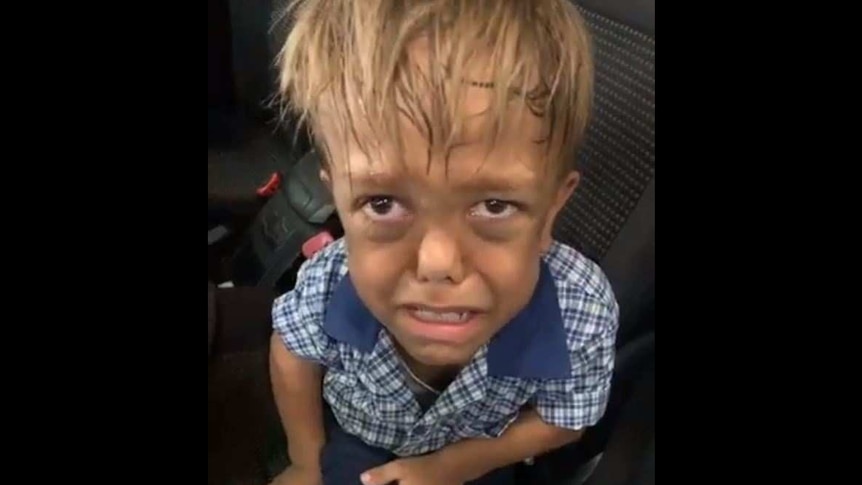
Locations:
611 217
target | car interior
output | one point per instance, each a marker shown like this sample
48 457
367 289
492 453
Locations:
268 212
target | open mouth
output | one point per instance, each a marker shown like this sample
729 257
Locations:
454 325
444 317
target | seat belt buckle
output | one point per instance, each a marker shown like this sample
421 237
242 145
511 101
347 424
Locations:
316 243
266 190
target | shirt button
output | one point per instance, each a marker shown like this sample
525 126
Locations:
419 429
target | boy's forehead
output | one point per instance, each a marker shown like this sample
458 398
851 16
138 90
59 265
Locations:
469 168
514 149
519 149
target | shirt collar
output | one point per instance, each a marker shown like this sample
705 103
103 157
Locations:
531 346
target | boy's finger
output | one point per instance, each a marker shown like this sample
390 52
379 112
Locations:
382 475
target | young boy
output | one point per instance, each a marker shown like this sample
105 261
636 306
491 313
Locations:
447 336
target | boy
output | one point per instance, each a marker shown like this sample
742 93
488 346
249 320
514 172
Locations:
448 334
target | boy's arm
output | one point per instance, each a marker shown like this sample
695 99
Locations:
296 385
470 459
528 436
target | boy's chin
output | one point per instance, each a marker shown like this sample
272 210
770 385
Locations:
442 355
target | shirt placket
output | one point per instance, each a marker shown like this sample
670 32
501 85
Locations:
468 388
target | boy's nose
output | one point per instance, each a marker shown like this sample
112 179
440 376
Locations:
439 258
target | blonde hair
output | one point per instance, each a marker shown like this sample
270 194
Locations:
350 59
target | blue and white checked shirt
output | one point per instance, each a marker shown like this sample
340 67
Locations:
556 355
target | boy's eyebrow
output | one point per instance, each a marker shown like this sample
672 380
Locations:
479 182
371 178
496 183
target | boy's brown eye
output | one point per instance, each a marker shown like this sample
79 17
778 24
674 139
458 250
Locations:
384 209
496 207
380 205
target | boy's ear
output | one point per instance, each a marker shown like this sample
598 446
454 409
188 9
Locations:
564 191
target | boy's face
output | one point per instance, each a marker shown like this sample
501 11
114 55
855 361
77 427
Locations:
444 257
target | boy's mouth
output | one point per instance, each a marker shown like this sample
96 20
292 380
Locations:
444 317
450 324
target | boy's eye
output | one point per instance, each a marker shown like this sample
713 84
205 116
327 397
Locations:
493 209
382 208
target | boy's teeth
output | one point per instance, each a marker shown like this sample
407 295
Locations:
442 317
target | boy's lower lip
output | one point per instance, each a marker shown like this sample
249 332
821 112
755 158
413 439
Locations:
443 329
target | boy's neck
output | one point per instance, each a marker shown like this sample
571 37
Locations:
438 377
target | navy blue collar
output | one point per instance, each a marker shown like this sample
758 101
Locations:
532 346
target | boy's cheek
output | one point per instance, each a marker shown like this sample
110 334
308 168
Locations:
378 267
519 232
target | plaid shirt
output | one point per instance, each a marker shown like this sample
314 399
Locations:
556 355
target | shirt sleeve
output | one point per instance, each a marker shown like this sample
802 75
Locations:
298 314
580 401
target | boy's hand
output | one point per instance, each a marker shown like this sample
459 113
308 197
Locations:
420 470
298 475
